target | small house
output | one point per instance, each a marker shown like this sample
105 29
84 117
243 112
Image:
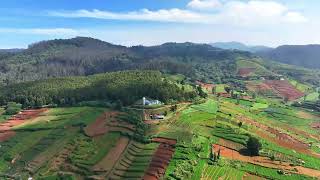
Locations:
149 102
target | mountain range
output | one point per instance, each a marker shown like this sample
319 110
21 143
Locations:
307 56
86 56
300 55
239 46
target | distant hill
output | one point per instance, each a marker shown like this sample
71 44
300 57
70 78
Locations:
300 55
86 56
239 46
11 50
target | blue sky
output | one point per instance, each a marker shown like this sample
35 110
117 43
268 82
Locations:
150 22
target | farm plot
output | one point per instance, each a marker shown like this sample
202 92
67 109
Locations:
89 152
262 89
312 96
281 138
188 159
244 72
315 125
300 86
6 128
284 89
293 120
228 133
100 127
210 106
252 68
133 162
231 145
113 155
40 139
207 87
224 172
266 162
259 106
160 159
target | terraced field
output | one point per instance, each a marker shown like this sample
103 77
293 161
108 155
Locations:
204 140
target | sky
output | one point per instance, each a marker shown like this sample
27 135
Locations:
152 22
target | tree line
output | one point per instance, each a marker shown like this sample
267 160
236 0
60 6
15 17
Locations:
124 86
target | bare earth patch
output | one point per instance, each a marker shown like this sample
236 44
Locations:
99 127
161 159
6 128
266 162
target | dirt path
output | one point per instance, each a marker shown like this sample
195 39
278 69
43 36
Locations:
113 156
266 162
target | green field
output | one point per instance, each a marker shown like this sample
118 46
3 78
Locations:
312 96
300 86
55 141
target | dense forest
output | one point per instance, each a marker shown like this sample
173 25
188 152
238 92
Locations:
126 86
86 56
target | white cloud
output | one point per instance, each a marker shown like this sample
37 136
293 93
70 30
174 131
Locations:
41 31
295 17
204 4
162 15
259 12
250 13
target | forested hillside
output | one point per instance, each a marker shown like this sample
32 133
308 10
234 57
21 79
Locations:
300 55
87 56
125 86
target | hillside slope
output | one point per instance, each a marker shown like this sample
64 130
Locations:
301 55
87 56
125 86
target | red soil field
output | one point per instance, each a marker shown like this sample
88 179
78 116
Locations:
282 139
266 162
258 87
284 89
316 125
165 141
107 122
161 158
6 131
244 72
226 95
98 127
206 86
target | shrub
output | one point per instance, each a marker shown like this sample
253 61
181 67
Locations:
253 146
12 108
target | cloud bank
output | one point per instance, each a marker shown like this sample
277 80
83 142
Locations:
250 13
